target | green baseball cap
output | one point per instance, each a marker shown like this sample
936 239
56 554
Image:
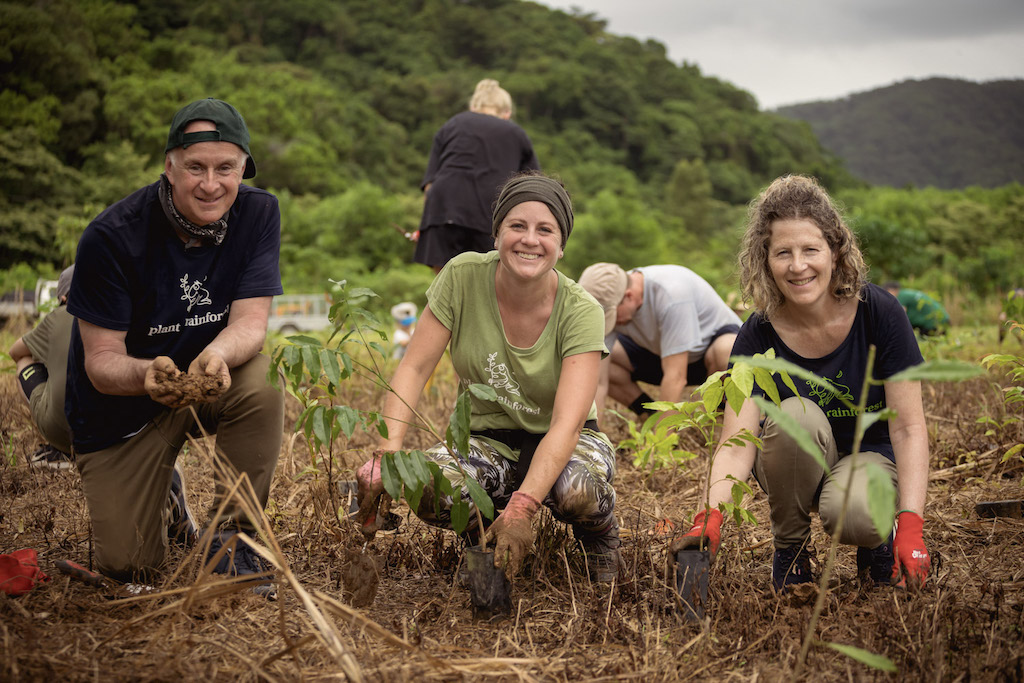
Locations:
230 128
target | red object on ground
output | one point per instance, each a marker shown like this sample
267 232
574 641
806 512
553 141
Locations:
19 572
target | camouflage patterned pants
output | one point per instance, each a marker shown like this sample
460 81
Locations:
582 495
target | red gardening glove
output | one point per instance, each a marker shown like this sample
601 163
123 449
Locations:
19 572
374 502
700 535
512 532
910 556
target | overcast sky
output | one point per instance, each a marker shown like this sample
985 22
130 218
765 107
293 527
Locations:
790 51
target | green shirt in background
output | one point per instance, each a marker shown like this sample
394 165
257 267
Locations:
925 313
463 298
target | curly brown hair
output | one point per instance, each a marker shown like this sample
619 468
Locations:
796 197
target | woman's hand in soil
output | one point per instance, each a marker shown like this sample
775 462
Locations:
374 502
163 392
512 532
911 561
701 535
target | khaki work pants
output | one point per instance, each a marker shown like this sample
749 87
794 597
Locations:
126 485
796 484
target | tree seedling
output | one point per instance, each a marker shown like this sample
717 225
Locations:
314 372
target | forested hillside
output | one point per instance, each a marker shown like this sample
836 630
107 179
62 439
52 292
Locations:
343 97
938 132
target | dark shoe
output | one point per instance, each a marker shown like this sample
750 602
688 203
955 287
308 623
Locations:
241 560
791 566
602 554
46 456
181 528
877 562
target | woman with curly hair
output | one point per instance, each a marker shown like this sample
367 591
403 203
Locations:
801 268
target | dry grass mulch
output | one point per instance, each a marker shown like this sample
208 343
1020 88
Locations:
965 625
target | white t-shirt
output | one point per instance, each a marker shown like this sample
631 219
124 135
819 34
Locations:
680 312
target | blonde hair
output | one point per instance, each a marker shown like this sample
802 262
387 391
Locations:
796 197
490 98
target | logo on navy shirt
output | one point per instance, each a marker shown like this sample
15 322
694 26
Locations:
195 294
825 396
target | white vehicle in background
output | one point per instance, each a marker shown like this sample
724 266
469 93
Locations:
291 313
29 305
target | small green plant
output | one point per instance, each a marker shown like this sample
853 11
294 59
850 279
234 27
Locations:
662 429
314 372
654 445
1013 397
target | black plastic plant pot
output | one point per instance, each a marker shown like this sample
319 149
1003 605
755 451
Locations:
349 491
1000 508
488 587
692 569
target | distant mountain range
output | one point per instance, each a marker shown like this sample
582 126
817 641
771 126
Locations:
939 132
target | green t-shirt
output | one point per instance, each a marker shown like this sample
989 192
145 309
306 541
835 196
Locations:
925 313
463 298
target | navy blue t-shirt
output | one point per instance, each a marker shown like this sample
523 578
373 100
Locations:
880 321
133 273
472 157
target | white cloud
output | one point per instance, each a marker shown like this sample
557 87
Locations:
800 50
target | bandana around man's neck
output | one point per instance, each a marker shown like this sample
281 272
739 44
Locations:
215 230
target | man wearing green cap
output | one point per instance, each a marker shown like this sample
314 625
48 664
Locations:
177 277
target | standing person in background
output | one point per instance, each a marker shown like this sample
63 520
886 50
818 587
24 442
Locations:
41 357
664 325
927 315
802 268
473 154
176 278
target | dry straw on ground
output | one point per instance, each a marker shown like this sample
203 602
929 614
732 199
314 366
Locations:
966 625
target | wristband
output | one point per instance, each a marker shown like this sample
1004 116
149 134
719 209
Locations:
31 376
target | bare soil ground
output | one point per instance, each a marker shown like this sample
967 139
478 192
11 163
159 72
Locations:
965 625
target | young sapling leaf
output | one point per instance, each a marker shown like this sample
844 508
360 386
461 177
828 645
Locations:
881 499
938 371
480 497
880 662
390 476
743 376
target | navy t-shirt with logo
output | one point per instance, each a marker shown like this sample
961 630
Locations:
880 321
134 274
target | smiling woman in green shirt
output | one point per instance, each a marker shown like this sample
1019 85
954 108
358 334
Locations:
515 323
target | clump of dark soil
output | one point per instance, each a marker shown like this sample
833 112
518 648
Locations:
359 578
190 388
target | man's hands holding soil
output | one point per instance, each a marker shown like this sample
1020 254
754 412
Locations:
206 380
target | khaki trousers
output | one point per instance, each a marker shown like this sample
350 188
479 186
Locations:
126 485
796 484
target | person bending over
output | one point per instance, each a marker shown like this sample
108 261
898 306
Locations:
665 325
